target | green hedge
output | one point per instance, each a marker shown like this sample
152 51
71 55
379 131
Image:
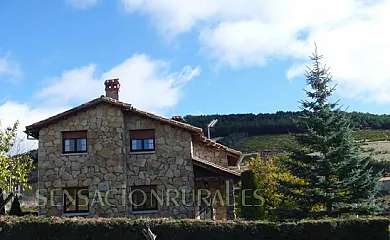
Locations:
39 228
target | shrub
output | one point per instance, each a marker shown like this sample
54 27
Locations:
252 208
98 229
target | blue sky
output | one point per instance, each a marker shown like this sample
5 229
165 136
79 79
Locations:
188 57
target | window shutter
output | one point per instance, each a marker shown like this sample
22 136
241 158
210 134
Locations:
74 134
142 134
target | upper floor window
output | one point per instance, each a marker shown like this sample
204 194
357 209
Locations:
74 142
142 140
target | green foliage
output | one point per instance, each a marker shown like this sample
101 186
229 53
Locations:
272 143
234 139
251 207
251 124
282 143
234 126
101 229
13 169
268 173
15 208
336 174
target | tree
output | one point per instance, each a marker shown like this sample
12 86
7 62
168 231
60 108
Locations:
15 207
268 173
336 174
14 169
251 207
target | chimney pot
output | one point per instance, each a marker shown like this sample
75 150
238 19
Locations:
178 118
112 88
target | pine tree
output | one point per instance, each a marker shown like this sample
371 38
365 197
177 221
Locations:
335 172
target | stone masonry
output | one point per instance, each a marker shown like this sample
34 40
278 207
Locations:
170 167
109 167
210 154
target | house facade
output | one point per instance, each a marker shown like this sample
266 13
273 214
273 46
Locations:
106 158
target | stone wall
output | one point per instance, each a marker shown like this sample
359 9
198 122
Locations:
109 169
210 154
102 168
169 167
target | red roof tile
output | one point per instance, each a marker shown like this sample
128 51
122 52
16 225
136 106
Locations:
126 106
212 143
33 129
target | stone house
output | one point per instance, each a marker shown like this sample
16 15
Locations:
106 158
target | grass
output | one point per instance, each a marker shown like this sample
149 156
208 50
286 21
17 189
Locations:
272 143
372 135
29 206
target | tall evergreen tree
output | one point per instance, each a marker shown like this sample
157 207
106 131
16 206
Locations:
336 174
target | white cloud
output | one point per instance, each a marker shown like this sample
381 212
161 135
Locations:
81 4
142 80
11 112
250 33
9 69
79 83
147 84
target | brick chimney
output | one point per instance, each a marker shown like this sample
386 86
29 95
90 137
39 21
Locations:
112 88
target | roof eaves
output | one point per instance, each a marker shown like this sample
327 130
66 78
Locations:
78 108
216 166
62 114
212 143
167 120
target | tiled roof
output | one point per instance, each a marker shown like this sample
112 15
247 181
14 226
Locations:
45 122
215 166
212 143
168 120
125 106
33 129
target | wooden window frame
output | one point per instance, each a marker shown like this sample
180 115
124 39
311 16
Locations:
77 200
148 195
142 139
74 141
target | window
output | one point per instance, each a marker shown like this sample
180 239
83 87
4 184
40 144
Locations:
74 142
142 140
75 200
144 198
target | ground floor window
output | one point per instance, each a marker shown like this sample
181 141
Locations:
75 200
144 198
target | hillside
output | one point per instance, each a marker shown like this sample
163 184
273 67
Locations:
277 123
273 133
376 139
242 131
